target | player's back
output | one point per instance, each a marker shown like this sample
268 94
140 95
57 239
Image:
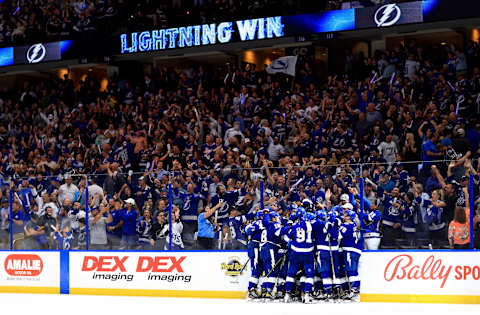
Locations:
301 236
321 234
350 237
254 231
271 234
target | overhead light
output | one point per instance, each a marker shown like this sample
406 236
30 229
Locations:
443 43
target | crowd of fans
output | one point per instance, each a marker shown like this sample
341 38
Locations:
405 120
27 22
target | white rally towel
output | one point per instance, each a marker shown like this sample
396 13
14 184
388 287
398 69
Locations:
283 65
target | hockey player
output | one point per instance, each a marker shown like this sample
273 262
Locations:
254 231
235 222
324 258
349 236
307 204
269 247
335 256
301 246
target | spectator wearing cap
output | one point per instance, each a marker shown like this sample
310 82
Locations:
129 225
67 190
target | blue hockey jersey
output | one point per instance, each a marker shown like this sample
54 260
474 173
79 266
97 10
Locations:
301 237
235 224
350 238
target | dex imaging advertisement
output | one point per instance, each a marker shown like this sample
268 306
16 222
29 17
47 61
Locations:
194 274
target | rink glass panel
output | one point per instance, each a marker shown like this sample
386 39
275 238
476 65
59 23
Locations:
165 209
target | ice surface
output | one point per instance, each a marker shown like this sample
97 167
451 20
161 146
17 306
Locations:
39 304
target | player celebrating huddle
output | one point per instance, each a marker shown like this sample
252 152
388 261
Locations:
324 247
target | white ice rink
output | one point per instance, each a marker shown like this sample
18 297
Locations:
39 304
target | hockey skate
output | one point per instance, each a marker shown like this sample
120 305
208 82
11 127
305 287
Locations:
268 296
307 298
287 298
280 295
345 295
252 294
355 295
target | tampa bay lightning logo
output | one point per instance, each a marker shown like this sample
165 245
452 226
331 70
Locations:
279 65
387 15
36 53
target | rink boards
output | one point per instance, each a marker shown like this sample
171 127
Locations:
420 277
387 276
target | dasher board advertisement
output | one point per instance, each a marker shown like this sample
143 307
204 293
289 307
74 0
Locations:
428 277
185 274
30 272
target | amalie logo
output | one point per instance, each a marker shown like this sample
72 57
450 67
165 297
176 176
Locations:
23 265
403 267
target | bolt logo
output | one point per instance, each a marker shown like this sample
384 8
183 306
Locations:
279 65
23 265
36 53
387 15
233 268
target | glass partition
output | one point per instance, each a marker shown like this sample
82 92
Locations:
400 205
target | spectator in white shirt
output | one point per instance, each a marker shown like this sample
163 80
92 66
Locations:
388 149
67 190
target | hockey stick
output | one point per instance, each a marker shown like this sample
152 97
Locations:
244 266
348 280
276 264
333 266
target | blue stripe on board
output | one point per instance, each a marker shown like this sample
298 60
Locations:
64 272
